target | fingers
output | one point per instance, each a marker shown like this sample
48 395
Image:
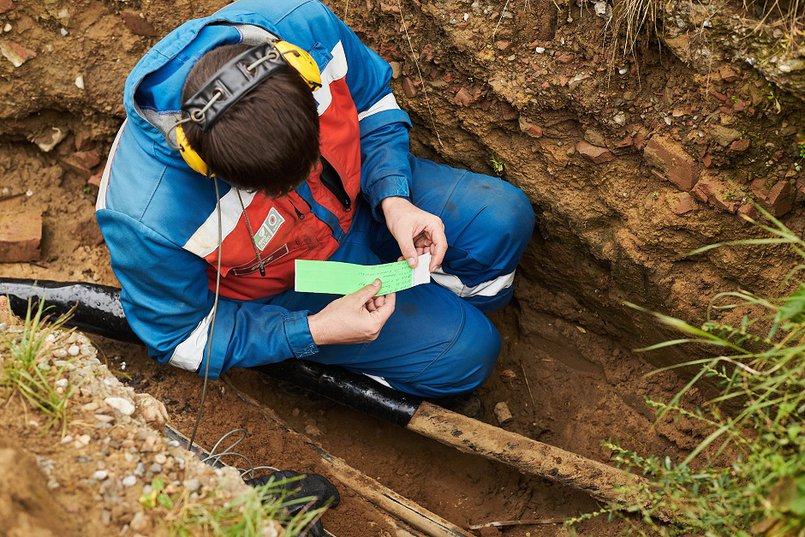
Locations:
408 249
438 248
384 312
364 294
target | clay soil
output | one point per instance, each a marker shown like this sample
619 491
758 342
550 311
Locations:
608 231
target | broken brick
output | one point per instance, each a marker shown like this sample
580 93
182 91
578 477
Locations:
20 236
670 158
711 189
16 53
724 136
530 128
137 24
740 145
465 97
781 198
82 162
682 202
503 44
565 58
749 210
598 155
6 5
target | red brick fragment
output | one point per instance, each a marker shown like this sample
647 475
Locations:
82 162
740 145
781 198
20 236
6 5
466 97
711 189
749 210
503 44
565 58
682 202
137 24
676 165
727 74
530 129
598 155
16 53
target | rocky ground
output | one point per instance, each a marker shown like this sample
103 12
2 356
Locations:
630 161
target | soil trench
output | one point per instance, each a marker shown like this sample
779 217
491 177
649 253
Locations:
523 89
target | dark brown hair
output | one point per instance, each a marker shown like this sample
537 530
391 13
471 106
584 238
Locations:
267 141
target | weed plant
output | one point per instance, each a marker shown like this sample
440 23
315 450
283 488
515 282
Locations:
25 369
747 477
254 513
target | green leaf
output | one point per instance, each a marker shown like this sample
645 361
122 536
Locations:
165 501
794 307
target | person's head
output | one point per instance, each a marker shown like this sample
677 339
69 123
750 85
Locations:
268 140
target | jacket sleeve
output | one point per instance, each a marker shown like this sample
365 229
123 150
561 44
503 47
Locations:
169 306
385 169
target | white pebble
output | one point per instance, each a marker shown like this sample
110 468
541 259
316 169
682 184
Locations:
73 350
7 28
160 458
192 484
59 353
623 70
63 32
61 383
129 481
124 406
540 50
100 475
67 439
79 82
29 193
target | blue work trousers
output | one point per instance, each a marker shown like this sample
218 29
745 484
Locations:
437 342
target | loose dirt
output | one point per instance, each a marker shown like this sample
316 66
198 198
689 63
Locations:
521 86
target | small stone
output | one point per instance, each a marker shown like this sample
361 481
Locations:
682 202
63 32
408 87
16 53
502 413
598 155
160 458
567 57
67 439
508 375
104 418
740 145
61 383
83 440
464 97
6 5
727 74
79 82
312 430
620 118
124 406
781 198
529 128
49 139
139 522
7 28
100 475
73 350
191 485
155 468
129 481
724 136
503 44
396 69
540 50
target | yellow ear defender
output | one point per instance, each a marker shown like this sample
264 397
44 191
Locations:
235 79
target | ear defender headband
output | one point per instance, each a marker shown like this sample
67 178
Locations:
233 81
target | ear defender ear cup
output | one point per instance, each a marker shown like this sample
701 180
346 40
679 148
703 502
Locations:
301 62
189 155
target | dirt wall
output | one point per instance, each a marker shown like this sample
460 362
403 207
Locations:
630 162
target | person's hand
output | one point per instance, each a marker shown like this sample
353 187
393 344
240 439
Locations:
416 231
355 318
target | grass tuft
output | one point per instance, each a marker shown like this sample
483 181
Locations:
26 369
255 513
747 477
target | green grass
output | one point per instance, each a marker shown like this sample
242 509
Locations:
23 353
747 477
249 515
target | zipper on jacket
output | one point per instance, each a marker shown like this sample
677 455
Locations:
331 179
299 213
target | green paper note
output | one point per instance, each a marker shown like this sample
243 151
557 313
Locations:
336 278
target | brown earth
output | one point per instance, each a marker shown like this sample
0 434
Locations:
630 162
